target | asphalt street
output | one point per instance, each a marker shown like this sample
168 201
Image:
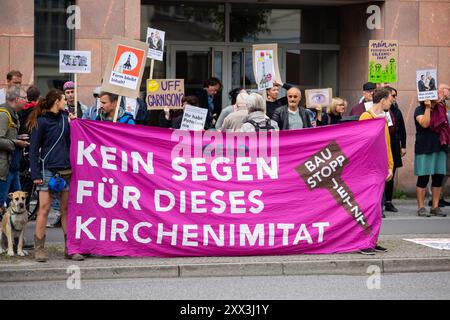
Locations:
427 286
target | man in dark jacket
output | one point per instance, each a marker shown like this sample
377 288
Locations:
397 133
360 108
209 99
293 116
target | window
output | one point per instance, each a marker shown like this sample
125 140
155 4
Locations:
183 22
259 25
51 35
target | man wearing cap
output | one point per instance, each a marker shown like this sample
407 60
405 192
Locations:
69 92
360 108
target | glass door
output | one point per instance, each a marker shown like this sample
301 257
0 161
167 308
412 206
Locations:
195 64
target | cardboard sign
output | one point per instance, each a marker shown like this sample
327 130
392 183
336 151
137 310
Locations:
131 106
265 72
389 119
2 96
320 97
125 67
427 86
155 41
74 61
368 105
163 93
265 65
194 118
383 61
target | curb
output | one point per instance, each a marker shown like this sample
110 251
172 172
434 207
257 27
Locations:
322 267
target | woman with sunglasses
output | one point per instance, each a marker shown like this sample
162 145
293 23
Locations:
397 132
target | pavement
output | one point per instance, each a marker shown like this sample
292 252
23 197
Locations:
402 257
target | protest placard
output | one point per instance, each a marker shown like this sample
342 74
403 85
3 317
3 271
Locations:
125 67
131 106
155 41
163 93
2 96
194 118
265 65
320 97
383 61
427 84
74 61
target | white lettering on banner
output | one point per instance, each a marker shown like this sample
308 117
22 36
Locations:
111 158
213 235
241 169
130 194
246 234
165 201
136 232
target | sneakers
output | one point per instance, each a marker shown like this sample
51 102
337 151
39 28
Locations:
379 248
444 203
422 212
368 252
390 207
437 212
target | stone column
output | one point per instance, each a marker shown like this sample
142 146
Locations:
421 27
100 21
17 39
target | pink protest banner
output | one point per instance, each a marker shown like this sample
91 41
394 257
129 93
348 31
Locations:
141 191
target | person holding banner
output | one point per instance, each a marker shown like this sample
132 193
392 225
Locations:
397 133
257 119
108 105
382 101
293 116
69 92
336 110
230 109
207 98
173 118
272 101
368 89
234 121
50 164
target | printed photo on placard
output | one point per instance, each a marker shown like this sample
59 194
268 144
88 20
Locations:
126 67
264 69
74 61
427 84
155 41
320 97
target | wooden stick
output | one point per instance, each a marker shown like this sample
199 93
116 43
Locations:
116 113
75 91
152 66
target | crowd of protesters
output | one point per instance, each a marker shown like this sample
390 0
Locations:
39 125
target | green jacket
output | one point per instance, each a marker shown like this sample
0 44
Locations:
9 128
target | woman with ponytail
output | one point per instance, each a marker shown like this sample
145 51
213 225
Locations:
49 155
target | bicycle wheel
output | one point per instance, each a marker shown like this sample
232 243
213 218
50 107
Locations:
33 204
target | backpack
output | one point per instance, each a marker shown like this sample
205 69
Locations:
266 125
11 123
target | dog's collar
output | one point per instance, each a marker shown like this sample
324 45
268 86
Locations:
11 214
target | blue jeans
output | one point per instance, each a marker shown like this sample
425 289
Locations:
12 184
